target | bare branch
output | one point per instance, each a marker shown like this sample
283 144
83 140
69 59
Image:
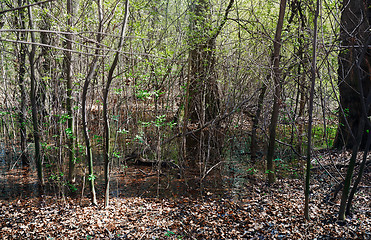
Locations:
26 6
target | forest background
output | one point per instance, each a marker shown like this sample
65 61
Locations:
210 96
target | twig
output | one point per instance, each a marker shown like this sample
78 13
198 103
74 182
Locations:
26 6
110 235
208 171
212 122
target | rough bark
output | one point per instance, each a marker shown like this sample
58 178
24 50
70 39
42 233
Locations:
353 34
360 75
203 98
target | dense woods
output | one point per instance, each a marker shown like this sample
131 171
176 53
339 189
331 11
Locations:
238 107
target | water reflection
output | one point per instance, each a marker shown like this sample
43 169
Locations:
127 180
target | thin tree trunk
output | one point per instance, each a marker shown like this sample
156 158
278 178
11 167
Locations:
105 114
69 102
89 77
45 68
348 177
21 78
359 176
254 142
302 103
277 93
301 94
358 74
35 122
365 108
89 157
310 112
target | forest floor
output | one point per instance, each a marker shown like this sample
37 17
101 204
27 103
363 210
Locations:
254 211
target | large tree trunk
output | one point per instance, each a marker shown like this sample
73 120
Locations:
203 100
354 76
353 34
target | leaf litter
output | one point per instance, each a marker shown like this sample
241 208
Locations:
257 212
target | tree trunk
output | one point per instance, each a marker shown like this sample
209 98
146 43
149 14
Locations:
302 85
359 176
105 113
310 112
35 122
354 84
348 177
353 34
89 77
45 70
302 103
69 101
21 78
203 96
277 93
254 142
360 75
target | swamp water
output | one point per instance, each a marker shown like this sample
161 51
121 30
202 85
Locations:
227 180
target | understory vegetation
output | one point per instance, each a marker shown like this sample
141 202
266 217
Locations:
175 119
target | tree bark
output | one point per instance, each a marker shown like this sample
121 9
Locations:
45 69
203 98
69 101
360 75
105 113
277 93
21 78
89 77
353 34
254 143
310 112
35 122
